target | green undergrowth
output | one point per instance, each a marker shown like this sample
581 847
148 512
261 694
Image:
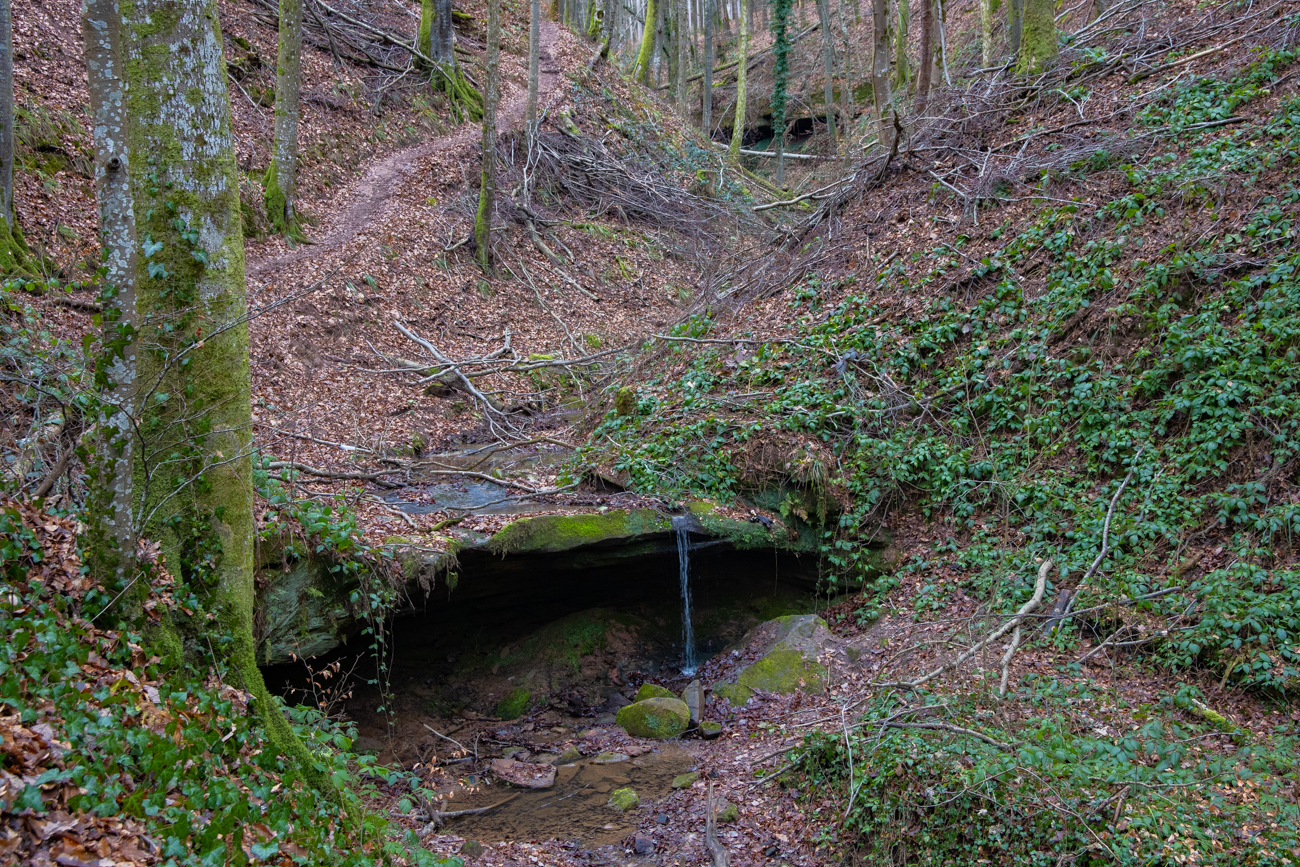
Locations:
163 751
1007 395
1042 792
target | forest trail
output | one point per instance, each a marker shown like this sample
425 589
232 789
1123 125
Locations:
373 193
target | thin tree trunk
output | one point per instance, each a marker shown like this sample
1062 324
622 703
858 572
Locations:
1038 42
534 64
738 127
13 251
902 72
193 481
828 65
706 89
880 71
683 65
111 533
925 64
986 33
1015 18
282 176
781 49
491 94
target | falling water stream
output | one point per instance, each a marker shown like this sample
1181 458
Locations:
684 573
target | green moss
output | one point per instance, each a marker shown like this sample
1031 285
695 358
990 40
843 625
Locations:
277 207
553 533
659 718
14 257
685 781
424 39
641 68
625 402
728 813
651 690
710 729
514 704
624 800
1038 40
781 671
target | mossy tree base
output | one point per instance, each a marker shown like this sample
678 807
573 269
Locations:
277 208
466 100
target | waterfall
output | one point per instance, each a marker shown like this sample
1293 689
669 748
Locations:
684 574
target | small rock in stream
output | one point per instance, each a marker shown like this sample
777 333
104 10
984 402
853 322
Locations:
644 846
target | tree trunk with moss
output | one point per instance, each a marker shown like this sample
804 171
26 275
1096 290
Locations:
282 176
437 39
644 60
534 64
192 484
1038 42
110 539
491 93
681 31
986 33
1015 16
902 72
738 127
880 71
13 251
706 88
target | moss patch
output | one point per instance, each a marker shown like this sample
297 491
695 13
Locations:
624 800
514 704
659 718
781 671
553 533
651 690
685 781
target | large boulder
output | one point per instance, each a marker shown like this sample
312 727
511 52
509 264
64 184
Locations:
659 718
652 690
789 649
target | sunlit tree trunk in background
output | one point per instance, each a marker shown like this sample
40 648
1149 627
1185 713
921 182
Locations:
534 63
880 71
491 93
282 176
110 544
738 128
644 61
828 64
682 33
986 33
706 88
1038 43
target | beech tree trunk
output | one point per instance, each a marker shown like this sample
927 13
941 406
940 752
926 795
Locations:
738 127
13 252
282 176
902 71
534 64
925 65
191 489
706 89
680 30
1038 43
111 530
491 94
644 61
1015 18
880 84
986 33
828 64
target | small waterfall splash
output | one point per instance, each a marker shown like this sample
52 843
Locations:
680 529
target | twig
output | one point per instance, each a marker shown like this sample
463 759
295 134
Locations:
719 852
377 478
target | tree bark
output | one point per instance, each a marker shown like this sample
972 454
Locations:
681 31
880 84
738 127
925 64
13 251
534 64
282 176
986 33
111 532
706 89
1015 18
828 65
1038 42
491 94
641 69
902 72
781 50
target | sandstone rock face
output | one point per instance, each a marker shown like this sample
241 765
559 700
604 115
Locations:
659 718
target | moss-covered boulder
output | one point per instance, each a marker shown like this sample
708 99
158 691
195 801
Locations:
624 800
792 645
652 690
660 718
728 813
514 704
549 534
686 780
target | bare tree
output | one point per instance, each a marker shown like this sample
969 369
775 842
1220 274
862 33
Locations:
491 93
706 89
828 64
681 33
534 64
13 252
925 65
902 71
282 176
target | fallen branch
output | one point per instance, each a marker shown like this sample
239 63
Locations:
721 858
377 478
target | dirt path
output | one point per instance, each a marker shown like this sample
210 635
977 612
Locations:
373 193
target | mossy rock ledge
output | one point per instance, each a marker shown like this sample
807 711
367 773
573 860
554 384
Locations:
550 534
791 647
652 690
659 718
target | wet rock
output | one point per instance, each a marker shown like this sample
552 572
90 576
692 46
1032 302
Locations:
524 774
651 690
685 781
568 756
514 704
694 698
659 718
643 846
710 729
471 848
624 800
609 759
